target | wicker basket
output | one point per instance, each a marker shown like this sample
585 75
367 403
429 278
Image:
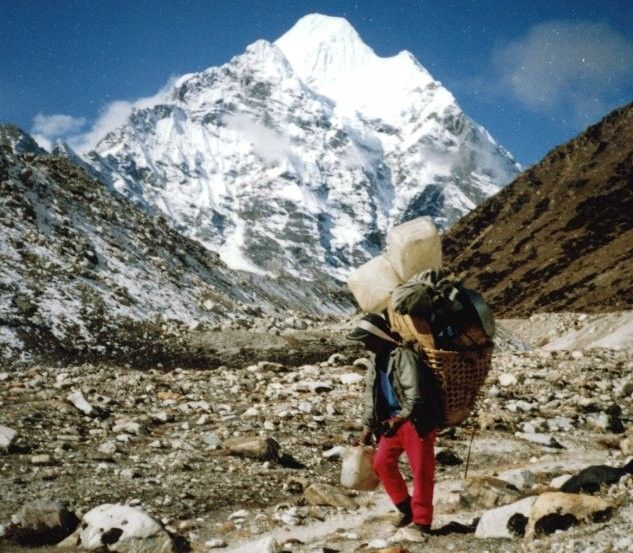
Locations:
411 329
461 374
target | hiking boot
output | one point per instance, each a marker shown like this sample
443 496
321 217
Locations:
422 528
406 516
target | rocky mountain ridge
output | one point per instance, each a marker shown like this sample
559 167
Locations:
560 237
84 272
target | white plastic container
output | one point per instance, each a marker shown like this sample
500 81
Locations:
357 471
413 247
372 284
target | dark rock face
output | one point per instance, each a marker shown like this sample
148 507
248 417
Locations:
517 524
18 141
591 479
553 522
448 458
560 237
111 536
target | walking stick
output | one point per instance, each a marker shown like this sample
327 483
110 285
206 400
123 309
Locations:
470 445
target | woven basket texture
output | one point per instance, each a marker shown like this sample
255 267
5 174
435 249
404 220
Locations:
460 374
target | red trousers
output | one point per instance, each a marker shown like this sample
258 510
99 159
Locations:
421 455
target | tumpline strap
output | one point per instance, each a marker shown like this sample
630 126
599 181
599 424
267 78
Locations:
373 329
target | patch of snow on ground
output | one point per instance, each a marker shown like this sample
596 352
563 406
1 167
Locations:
610 330
9 339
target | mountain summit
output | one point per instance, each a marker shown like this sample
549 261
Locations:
296 157
329 56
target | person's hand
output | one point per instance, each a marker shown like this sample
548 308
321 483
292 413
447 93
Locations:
392 424
364 438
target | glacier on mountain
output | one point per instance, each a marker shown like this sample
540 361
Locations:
297 156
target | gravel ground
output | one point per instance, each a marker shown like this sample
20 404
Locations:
158 439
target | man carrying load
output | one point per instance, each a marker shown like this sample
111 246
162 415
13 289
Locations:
402 409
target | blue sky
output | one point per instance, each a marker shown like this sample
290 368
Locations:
534 73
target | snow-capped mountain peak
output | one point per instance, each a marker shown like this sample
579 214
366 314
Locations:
296 157
320 46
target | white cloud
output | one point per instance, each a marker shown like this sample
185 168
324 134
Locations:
57 124
47 128
114 115
270 145
576 66
43 142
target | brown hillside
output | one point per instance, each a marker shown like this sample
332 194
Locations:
560 237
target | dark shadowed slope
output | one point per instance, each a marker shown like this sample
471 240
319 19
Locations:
559 238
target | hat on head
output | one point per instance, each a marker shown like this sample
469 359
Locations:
372 325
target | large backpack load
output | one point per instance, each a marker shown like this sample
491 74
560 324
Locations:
450 326
452 329
413 247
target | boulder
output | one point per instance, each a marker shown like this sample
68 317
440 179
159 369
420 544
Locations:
626 446
558 481
498 420
108 448
43 460
351 378
128 426
507 379
270 366
212 440
487 492
77 399
326 494
7 437
121 528
255 447
505 522
337 359
448 458
295 323
41 522
523 479
590 479
559 511
604 422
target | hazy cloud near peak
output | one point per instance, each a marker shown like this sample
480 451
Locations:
47 128
114 115
574 65
57 124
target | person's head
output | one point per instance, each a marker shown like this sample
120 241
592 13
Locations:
374 333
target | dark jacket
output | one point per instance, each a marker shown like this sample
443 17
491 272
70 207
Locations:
415 388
